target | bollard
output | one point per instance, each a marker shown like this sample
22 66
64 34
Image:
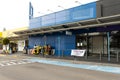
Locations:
100 56
62 53
86 57
117 56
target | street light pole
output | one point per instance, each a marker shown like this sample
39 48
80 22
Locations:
61 7
50 10
78 2
41 13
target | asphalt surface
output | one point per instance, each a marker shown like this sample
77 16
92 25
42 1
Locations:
20 69
37 71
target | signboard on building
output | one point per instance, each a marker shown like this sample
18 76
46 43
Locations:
77 52
21 45
0 34
68 33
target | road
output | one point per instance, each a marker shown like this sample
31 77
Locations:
18 68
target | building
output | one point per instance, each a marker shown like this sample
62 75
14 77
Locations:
16 40
94 27
0 40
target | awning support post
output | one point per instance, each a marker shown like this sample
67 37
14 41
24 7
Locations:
108 45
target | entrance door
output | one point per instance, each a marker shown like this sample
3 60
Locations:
94 43
81 42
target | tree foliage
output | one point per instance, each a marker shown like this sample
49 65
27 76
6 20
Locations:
0 40
6 41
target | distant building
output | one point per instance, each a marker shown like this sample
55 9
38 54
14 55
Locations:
19 41
0 34
0 40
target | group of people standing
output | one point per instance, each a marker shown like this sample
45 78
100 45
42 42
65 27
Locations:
44 50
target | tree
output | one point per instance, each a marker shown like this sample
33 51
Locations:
0 40
6 41
0 43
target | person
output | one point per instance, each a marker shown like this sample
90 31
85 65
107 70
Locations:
42 51
35 46
49 49
26 47
14 49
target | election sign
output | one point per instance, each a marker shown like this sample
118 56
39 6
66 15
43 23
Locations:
77 52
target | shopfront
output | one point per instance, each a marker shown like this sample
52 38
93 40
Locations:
101 44
87 27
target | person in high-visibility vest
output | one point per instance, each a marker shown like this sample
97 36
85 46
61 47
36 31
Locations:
45 50
49 49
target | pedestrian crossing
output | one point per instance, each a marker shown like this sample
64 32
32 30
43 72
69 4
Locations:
14 62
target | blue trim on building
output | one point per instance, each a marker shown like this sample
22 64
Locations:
59 41
30 11
74 14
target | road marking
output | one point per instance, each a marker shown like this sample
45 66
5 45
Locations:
14 62
2 55
2 65
8 64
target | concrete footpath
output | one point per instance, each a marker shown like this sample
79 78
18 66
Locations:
20 55
104 67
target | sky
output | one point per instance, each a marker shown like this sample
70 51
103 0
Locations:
15 13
